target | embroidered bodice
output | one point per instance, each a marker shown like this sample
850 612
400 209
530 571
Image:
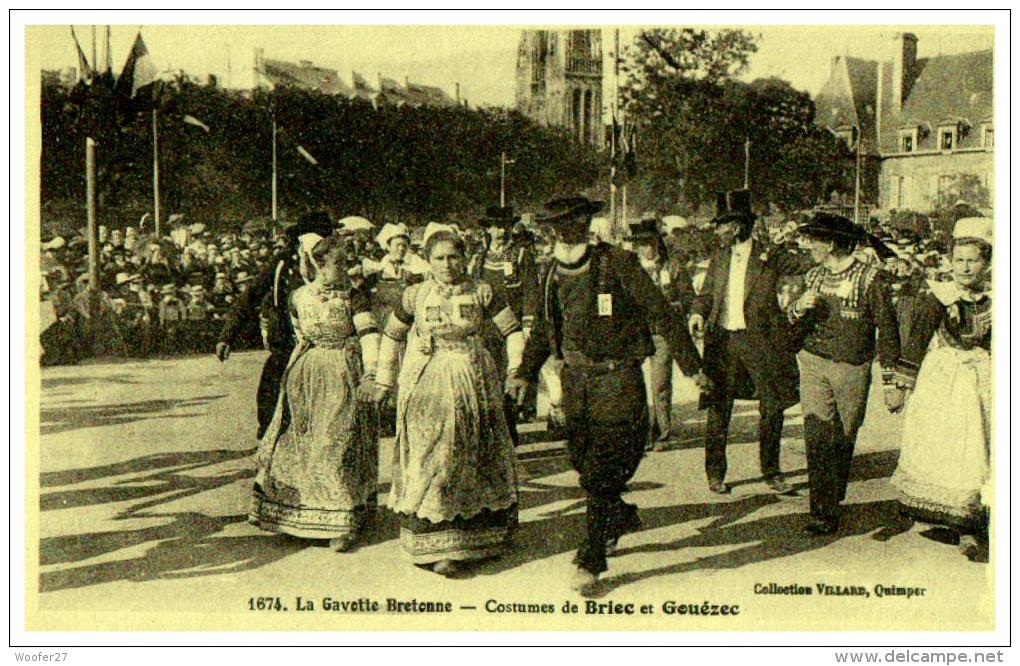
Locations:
449 312
323 317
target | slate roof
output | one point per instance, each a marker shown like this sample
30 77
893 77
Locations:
955 87
309 77
848 98
951 87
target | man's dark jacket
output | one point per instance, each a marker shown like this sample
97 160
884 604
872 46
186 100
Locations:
770 333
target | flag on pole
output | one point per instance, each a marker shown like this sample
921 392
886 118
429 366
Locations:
192 120
107 54
628 145
84 69
307 155
139 70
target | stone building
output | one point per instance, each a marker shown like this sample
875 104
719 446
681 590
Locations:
559 80
925 125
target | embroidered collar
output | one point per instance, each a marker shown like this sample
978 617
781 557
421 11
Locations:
948 293
450 290
330 290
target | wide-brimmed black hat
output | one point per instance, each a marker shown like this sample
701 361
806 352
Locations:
734 206
498 216
646 227
314 222
826 227
569 209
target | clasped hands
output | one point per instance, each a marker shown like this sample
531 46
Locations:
370 391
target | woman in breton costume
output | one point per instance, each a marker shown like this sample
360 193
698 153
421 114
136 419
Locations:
391 275
455 472
943 472
318 460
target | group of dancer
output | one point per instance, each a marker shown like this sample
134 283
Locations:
454 353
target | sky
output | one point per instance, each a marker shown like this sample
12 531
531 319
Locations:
481 58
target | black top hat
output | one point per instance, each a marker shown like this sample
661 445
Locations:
315 222
825 226
569 209
733 206
498 216
648 227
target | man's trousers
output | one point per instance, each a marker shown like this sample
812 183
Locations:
269 386
834 397
661 375
607 427
737 364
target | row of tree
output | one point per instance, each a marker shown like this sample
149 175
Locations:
386 163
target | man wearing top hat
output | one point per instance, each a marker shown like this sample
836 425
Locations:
673 281
748 352
270 291
845 314
598 310
511 272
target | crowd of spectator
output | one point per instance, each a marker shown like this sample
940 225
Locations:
168 295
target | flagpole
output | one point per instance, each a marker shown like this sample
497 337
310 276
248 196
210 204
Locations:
857 177
747 164
155 173
612 168
275 219
90 212
623 203
615 107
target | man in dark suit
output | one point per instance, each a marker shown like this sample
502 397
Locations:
673 281
269 296
748 350
598 310
511 272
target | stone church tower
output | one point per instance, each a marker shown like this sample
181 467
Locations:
559 80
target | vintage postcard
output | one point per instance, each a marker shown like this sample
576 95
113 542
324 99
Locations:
661 325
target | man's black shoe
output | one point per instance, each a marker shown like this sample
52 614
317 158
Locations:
820 527
719 487
778 486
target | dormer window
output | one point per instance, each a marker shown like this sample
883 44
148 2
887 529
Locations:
950 132
847 135
908 139
987 136
947 138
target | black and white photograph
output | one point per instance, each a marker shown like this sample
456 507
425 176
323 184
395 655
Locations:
582 324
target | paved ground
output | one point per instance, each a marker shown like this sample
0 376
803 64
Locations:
145 477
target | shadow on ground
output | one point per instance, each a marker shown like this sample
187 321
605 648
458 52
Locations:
185 547
748 541
61 419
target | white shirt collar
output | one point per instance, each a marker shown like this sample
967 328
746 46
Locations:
743 247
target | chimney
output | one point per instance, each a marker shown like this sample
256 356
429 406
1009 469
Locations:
904 69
